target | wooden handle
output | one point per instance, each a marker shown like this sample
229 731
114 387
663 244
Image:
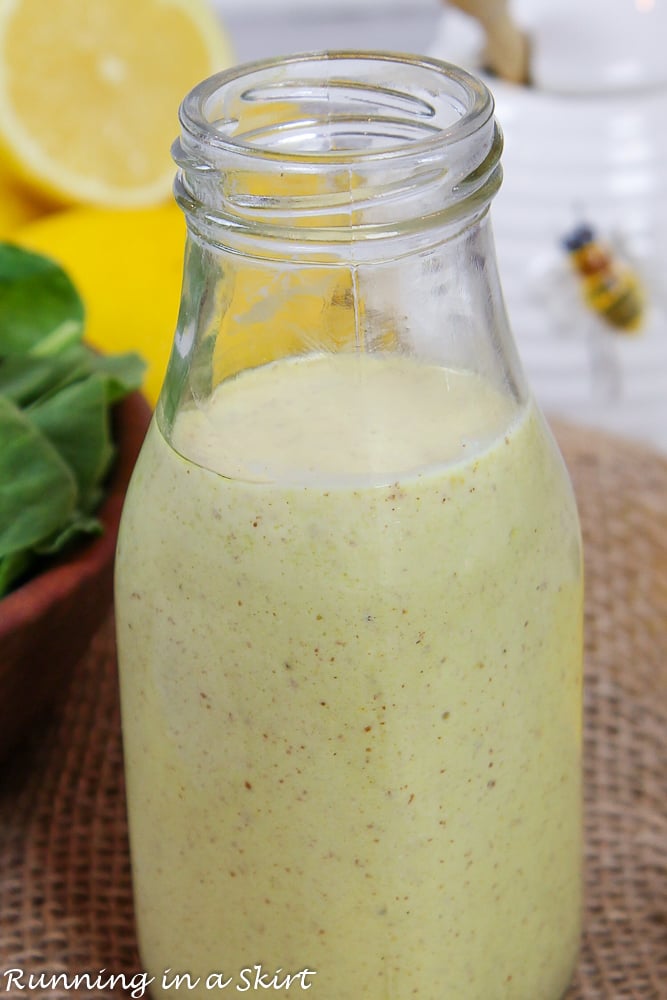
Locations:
507 51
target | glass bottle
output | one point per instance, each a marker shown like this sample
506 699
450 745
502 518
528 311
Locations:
349 573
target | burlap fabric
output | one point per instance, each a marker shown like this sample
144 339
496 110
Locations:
65 896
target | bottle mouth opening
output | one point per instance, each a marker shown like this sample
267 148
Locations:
343 107
335 146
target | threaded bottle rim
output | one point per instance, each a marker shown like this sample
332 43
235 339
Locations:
335 147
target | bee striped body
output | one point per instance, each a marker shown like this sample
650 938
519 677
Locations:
610 288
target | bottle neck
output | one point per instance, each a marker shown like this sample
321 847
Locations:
338 203
364 156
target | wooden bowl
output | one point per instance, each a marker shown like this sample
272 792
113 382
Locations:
47 624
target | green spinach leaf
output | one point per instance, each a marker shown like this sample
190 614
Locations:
122 373
38 490
25 379
41 312
78 525
76 422
55 399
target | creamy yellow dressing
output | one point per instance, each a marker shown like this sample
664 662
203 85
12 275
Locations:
351 687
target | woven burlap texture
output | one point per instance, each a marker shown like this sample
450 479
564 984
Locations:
65 893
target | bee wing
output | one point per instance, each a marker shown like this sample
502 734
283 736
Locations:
553 288
642 263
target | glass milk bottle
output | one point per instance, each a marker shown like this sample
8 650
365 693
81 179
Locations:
349 572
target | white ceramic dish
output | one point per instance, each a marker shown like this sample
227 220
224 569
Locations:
597 155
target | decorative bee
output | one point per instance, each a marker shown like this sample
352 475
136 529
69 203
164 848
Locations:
610 287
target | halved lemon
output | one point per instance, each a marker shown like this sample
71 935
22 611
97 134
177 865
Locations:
90 89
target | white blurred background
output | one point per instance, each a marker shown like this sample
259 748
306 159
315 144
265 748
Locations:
263 28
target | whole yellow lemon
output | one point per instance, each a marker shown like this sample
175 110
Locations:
17 205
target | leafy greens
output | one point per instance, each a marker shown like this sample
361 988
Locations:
55 398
